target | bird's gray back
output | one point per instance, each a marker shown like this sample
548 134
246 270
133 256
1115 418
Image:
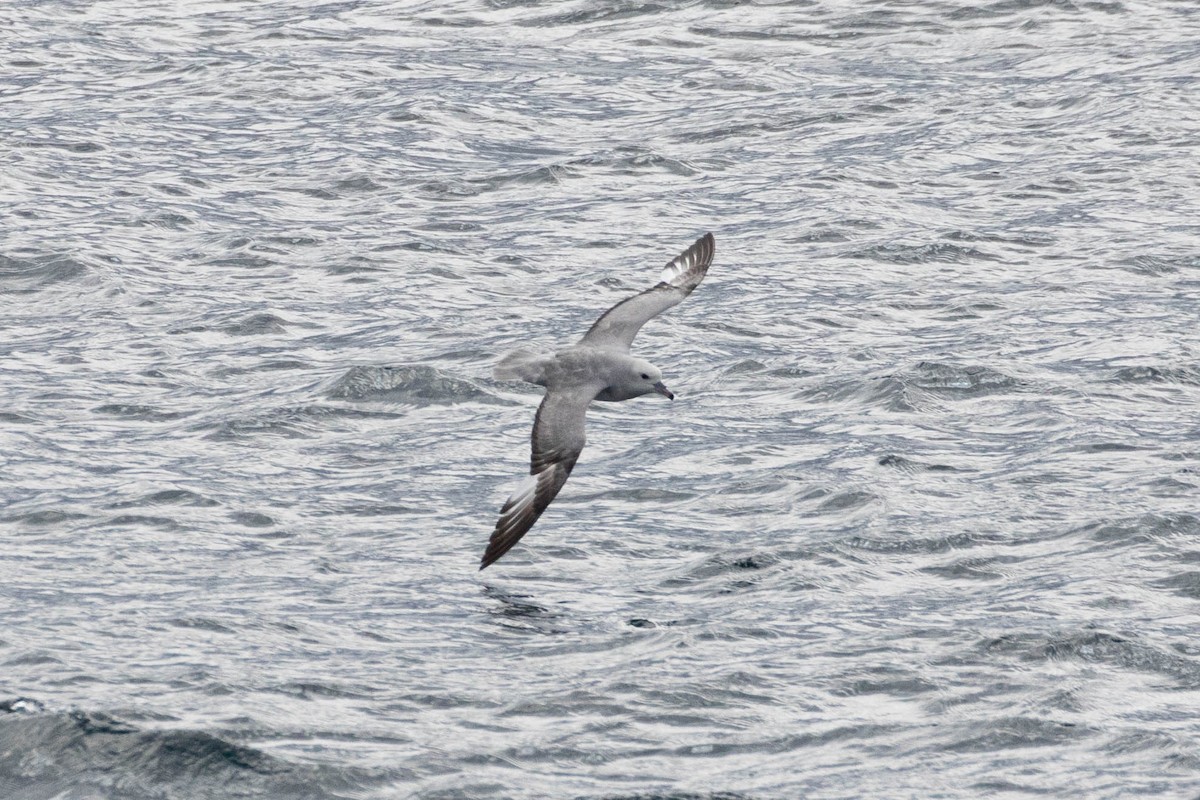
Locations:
582 365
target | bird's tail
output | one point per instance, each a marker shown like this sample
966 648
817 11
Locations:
522 365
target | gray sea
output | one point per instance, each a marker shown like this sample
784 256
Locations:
923 522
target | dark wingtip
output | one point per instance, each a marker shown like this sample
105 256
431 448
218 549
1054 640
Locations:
495 551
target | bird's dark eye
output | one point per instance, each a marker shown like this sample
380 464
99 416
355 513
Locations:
645 377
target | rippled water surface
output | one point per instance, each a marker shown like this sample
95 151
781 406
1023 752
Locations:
924 520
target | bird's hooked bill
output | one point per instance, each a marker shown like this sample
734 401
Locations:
662 389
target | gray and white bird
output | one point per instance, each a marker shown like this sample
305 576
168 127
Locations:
598 367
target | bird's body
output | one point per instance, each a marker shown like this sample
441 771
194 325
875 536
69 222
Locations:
581 364
598 367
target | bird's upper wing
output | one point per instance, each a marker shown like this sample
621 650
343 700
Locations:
558 439
621 323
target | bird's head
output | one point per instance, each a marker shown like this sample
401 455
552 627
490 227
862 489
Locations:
644 378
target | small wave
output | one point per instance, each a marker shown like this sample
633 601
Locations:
255 325
922 254
1099 647
915 388
1158 265
1017 732
632 160
744 367
679 796
253 519
601 12
888 680
77 752
622 160
286 423
923 544
414 385
250 325
1175 749
953 380
21 705
166 220
725 574
279 365
29 275
133 411
1009 8
1189 375
963 311
202 624
294 422
913 466
46 517
974 569
1145 528
657 497
141 521
1186 584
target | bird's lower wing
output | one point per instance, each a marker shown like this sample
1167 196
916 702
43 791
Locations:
558 439
524 507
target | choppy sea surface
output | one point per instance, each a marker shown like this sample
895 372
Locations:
924 521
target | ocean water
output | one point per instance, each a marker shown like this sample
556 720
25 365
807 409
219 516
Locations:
923 521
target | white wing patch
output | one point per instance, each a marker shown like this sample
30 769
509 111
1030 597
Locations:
685 262
521 498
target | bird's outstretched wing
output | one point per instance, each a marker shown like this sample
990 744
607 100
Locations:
558 439
618 325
